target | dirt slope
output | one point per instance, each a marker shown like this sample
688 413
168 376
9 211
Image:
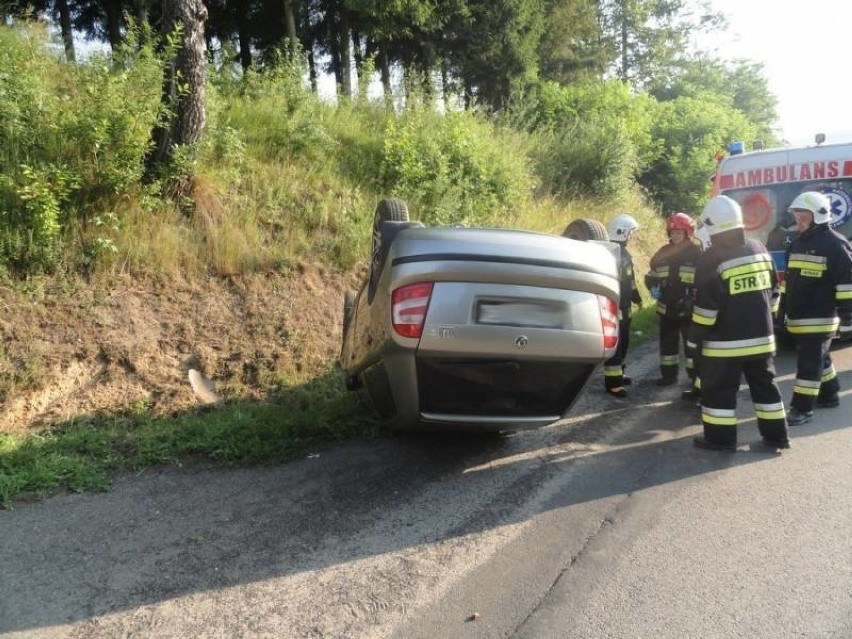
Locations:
73 349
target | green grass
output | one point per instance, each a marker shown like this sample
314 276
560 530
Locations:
85 454
645 322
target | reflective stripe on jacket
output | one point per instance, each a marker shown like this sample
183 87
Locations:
676 276
818 281
735 292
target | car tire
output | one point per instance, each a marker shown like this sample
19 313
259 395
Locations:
388 210
586 229
348 305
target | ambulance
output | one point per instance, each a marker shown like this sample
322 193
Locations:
765 181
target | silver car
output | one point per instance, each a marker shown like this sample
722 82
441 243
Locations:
483 328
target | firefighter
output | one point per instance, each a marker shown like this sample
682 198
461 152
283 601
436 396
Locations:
619 230
671 279
693 352
735 294
818 293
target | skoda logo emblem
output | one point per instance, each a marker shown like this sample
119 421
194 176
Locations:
521 341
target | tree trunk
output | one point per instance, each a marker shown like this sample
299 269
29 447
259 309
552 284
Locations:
358 57
624 67
141 12
426 85
312 68
290 21
345 54
183 89
384 71
468 95
244 34
245 47
445 83
112 8
336 66
65 26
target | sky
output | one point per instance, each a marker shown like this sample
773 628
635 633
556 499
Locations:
805 48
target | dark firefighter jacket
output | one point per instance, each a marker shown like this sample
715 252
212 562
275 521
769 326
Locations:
629 294
673 269
818 283
734 301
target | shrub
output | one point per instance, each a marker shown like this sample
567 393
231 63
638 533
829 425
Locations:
691 130
590 138
71 136
454 166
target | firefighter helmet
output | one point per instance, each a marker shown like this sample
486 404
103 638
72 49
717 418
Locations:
816 203
621 226
680 222
722 214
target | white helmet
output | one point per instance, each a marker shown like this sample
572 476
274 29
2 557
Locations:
816 203
722 214
621 226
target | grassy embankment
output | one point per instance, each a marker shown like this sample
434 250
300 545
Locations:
282 179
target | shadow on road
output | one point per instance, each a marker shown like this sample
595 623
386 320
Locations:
171 533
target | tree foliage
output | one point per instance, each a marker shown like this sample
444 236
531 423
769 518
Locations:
691 129
572 46
614 92
741 82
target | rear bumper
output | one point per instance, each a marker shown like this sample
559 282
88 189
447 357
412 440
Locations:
412 393
508 388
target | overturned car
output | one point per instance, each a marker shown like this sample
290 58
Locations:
479 328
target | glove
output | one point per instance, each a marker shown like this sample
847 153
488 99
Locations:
656 291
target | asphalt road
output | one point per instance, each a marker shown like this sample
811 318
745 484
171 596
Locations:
609 524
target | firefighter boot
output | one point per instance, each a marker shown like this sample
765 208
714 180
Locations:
702 442
776 444
796 417
828 402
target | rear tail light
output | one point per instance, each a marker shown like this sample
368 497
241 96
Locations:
609 321
408 308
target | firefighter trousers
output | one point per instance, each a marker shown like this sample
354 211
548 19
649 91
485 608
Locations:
693 354
672 334
614 366
816 378
720 380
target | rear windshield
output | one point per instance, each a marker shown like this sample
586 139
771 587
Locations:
765 207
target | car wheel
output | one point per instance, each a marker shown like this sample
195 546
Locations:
348 305
388 210
585 229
